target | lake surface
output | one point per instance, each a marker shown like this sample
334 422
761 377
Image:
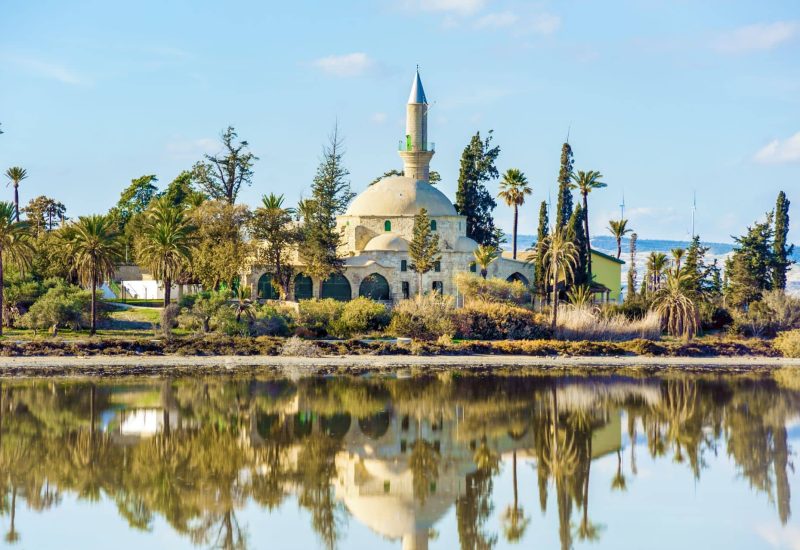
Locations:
446 462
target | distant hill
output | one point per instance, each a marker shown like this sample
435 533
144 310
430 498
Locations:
608 244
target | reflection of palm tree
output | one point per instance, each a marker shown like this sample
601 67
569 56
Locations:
13 536
514 517
618 483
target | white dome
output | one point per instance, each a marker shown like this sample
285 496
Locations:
387 241
465 244
400 196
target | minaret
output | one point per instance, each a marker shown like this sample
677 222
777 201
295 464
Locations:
415 150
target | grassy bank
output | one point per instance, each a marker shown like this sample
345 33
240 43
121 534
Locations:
82 345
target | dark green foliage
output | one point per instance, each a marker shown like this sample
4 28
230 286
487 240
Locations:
424 247
632 273
564 204
473 199
134 199
701 277
781 251
62 306
44 213
360 316
575 233
493 321
272 224
540 280
330 195
180 189
749 269
222 175
433 177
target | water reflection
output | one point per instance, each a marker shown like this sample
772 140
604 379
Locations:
401 457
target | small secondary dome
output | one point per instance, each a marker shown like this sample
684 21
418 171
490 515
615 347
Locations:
401 196
465 244
387 241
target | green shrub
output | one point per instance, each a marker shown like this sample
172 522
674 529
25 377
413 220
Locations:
269 320
632 310
205 306
493 289
318 315
775 312
491 321
62 306
360 316
788 343
425 317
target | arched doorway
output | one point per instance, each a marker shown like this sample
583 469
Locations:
376 425
337 287
516 276
266 291
303 287
375 287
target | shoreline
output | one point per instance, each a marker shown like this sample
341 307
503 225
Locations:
226 365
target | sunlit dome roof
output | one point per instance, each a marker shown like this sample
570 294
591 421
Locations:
401 196
388 241
465 244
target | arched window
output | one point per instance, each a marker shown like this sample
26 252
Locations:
303 287
473 267
403 265
387 225
266 291
336 287
433 225
375 287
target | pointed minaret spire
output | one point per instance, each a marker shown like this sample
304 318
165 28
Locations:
415 150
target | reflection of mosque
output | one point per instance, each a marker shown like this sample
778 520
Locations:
375 466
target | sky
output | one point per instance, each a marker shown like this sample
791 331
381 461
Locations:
667 98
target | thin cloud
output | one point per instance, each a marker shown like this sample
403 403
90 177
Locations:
181 148
497 20
44 69
757 37
539 23
460 7
378 118
347 65
780 151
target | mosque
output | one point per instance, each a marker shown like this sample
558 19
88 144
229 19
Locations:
378 226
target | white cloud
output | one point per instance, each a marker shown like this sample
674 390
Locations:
378 118
540 23
461 7
787 537
497 20
47 70
760 36
347 65
779 151
181 148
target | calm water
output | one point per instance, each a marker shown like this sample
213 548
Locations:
448 462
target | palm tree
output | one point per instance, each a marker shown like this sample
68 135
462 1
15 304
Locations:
585 182
514 517
15 245
513 188
619 228
560 259
485 254
168 244
675 303
677 256
94 248
16 175
656 264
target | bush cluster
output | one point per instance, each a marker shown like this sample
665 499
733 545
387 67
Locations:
62 306
775 312
788 343
425 317
476 288
493 321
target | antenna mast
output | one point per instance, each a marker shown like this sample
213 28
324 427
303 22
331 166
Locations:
622 207
694 210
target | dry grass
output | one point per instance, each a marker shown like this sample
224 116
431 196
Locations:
587 324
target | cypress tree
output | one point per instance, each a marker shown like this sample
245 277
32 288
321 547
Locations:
424 246
631 295
749 268
781 252
473 200
540 279
576 233
330 194
564 205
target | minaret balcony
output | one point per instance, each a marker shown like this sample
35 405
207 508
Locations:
405 145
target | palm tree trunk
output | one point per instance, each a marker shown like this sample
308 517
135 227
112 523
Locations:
619 247
514 463
555 306
1 292
514 238
94 306
167 291
588 239
16 202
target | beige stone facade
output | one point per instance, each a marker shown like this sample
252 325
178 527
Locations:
378 227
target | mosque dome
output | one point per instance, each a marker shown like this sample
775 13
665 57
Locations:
387 241
465 244
400 196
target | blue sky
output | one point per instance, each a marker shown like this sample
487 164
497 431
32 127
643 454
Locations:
664 97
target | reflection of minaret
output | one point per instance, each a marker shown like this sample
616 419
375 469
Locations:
415 150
